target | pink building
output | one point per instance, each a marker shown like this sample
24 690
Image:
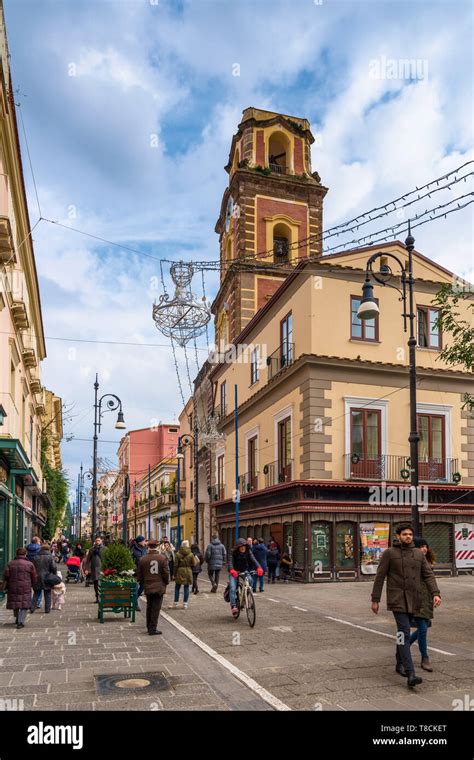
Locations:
139 449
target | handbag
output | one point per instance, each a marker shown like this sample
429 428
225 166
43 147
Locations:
50 579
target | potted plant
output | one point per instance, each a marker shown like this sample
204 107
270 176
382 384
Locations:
118 587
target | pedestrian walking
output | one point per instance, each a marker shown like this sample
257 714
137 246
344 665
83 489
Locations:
94 564
20 576
286 563
425 615
183 573
405 567
64 551
197 568
32 550
168 550
260 553
79 551
139 548
46 570
273 557
59 593
153 574
216 557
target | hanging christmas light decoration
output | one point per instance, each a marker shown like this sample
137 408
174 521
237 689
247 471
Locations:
211 437
183 317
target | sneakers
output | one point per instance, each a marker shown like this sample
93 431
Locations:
173 606
235 611
426 664
185 606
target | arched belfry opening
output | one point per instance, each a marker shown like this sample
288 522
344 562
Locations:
281 242
279 153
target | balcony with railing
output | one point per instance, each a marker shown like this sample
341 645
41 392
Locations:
392 467
281 358
220 412
277 473
279 168
248 482
217 492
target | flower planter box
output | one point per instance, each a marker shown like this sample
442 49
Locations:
117 597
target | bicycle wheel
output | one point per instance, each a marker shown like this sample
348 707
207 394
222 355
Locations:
250 607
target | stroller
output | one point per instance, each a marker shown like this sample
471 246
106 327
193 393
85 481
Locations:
73 565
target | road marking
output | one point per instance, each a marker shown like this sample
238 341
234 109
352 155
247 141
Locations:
302 609
281 628
276 703
277 601
381 633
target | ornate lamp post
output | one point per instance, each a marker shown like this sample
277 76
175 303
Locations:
113 403
369 309
187 440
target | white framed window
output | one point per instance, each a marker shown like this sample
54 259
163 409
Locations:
255 365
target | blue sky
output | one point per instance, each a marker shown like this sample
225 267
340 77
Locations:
130 107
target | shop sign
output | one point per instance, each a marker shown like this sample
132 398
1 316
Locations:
464 544
373 542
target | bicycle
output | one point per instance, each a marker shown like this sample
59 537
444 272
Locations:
245 598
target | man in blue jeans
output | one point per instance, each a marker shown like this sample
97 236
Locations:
260 552
241 560
404 566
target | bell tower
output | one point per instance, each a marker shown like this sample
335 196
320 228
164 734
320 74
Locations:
270 217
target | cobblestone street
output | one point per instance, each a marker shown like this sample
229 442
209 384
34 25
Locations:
313 648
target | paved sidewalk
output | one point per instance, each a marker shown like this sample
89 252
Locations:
51 664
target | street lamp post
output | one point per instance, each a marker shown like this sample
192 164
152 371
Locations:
187 439
113 403
179 457
369 309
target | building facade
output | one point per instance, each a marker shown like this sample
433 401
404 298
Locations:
139 451
323 399
23 501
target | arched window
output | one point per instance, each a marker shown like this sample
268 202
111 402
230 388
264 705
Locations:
281 242
279 153
228 249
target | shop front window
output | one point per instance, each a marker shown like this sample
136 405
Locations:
440 539
345 544
321 545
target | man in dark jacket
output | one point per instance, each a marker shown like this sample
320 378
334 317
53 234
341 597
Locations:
405 567
215 557
153 574
241 560
44 564
260 552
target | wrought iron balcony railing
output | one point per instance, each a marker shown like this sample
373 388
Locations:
248 482
216 492
281 358
277 473
392 467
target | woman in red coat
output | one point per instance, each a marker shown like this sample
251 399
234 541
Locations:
20 575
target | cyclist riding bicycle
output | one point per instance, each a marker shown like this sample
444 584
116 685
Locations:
241 560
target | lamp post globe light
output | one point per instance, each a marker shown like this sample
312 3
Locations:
113 403
369 309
